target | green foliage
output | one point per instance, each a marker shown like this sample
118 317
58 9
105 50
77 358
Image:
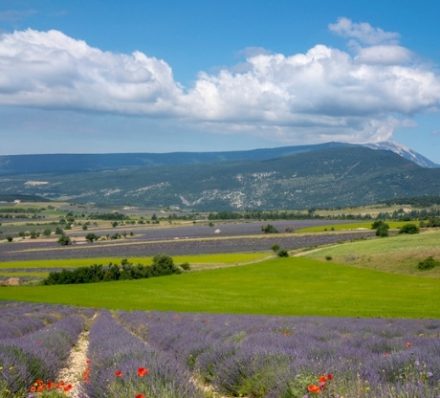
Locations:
275 248
47 232
328 258
282 253
269 229
59 231
9 238
64 240
185 266
91 237
428 263
409 229
162 265
378 223
382 230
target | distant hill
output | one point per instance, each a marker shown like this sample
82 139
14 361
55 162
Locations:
327 175
70 163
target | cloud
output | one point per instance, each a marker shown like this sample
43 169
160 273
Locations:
50 69
321 95
363 32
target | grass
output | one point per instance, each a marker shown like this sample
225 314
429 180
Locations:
201 260
288 286
353 226
398 254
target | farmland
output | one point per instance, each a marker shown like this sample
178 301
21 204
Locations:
241 322
123 354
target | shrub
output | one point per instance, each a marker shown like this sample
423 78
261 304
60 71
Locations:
269 229
59 231
382 230
275 248
185 266
409 229
283 253
91 237
162 265
376 224
9 238
64 240
328 258
47 232
428 263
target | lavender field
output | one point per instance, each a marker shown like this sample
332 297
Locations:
174 355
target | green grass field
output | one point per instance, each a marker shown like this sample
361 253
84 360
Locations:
398 254
353 226
286 286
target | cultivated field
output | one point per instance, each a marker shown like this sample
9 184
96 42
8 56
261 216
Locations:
173 355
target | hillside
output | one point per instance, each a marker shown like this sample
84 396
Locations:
334 175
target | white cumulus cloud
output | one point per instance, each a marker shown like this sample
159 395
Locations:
50 69
363 32
320 95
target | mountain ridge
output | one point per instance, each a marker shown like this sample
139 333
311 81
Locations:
333 176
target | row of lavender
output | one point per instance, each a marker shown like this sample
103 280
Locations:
290 357
35 341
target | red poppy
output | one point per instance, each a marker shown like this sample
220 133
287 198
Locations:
314 389
118 373
323 379
139 396
143 372
68 387
330 376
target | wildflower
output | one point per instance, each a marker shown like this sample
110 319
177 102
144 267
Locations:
142 372
118 373
323 379
408 344
330 376
139 396
67 387
314 389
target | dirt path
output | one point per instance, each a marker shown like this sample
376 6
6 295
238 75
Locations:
76 371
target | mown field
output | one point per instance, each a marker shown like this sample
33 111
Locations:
398 254
352 226
282 286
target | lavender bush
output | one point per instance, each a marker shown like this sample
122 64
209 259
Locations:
123 366
280 357
38 355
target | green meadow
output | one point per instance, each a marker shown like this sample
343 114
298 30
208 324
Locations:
198 260
352 226
279 286
397 254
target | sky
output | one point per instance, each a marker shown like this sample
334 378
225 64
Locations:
91 76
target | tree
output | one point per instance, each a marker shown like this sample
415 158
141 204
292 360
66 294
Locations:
382 230
409 229
47 232
64 240
91 237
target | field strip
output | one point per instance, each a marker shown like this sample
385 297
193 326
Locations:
75 373
207 390
204 239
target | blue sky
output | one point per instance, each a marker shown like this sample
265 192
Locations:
143 76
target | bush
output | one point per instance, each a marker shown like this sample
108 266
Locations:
376 224
283 253
162 265
185 266
428 263
47 232
382 230
91 237
328 258
64 240
269 229
409 229
275 248
9 238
